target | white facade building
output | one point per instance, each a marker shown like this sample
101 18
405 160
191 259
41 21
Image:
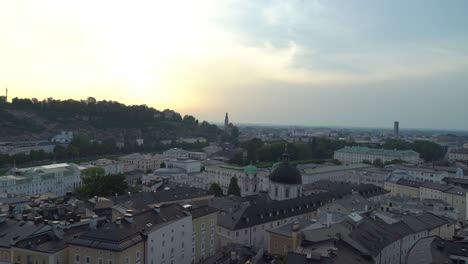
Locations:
171 242
359 154
57 179
189 165
111 167
63 138
248 178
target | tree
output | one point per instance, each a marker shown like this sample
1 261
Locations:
429 151
234 188
378 163
96 183
216 190
368 162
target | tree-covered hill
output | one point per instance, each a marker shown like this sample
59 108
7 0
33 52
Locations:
32 119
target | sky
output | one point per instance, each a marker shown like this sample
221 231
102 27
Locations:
299 62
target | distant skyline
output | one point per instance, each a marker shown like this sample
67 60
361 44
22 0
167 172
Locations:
314 63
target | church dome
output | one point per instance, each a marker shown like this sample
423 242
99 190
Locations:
285 173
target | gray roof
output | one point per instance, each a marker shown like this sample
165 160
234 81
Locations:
140 201
118 237
436 186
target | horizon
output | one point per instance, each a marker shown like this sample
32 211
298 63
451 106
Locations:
303 63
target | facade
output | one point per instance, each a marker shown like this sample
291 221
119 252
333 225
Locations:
176 153
111 167
204 238
285 180
374 236
312 172
248 178
359 154
455 196
189 165
371 175
427 173
13 148
143 162
176 175
63 138
57 179
458 155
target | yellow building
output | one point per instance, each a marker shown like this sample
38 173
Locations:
403 187
204 236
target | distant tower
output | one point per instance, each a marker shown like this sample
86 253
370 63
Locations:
396 129
226 120
6 95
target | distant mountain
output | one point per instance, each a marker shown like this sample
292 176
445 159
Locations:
31 119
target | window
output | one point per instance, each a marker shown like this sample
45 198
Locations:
127 260
138 255
100 261
276 191
77 258
237 234
110 261
286 193
87 260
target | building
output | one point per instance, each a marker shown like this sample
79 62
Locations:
141 201
63 138
143 162
57 179
435 250
360 154
50 241
374 237
455 196
285 180
209 150
458 155
176 153
175 175
191 140
316 172
248 178
189 165
369 175
204 238
427 173
396 129
245 220
159 235
13 148
111 167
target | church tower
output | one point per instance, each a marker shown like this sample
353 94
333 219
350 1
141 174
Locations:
226 121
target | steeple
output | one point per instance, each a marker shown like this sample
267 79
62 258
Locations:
6 94
286 154
226 120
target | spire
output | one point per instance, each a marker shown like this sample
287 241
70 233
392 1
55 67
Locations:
285 154
226 120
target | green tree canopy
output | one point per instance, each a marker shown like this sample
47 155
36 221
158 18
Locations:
234 188
216 190
95 183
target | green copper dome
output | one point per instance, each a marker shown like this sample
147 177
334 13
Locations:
250 169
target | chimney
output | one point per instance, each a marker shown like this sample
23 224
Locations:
295 226
93 222
118 220
157 208
129 217
296 234
329 219
25 217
